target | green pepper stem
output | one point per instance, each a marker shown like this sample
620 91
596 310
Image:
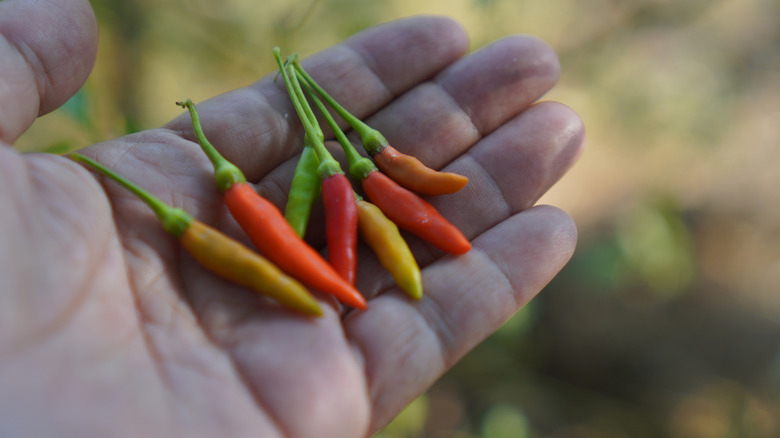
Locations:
174 220
359 166
226 173
302 98
328 165
373 140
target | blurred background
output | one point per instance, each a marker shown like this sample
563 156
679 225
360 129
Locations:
666 323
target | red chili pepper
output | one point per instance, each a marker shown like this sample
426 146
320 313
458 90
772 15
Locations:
413 213
341 220
266 226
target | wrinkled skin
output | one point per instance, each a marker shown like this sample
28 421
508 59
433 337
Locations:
107 328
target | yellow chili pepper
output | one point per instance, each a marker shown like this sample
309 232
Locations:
232 260
219 253
382 235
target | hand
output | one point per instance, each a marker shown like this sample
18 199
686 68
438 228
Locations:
108 328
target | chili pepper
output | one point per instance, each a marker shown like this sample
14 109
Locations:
402 206
266 226
382 235
413 213
415 176
304 189
341 222
219 253
406 170
341 216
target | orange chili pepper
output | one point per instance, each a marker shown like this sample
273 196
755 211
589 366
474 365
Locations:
219 253
266 226
411 173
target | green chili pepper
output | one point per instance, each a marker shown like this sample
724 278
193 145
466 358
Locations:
304 189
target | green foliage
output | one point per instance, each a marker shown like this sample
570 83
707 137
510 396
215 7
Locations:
657 247
505 421
78 108
410 422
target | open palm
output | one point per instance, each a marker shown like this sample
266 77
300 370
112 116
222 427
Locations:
108 328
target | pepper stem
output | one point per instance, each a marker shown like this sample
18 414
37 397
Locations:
174 220
359 166
373 140
302 99
226 173
328 166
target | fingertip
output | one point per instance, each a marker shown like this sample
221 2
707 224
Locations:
530 248
49 49
500 80
545 56
568 141
68 67
451 31
562 229
423 44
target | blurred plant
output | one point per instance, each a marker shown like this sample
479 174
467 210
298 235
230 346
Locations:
78 110
657 247
410 423
505 421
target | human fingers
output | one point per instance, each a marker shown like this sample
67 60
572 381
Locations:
514 166
48 49
440 119
516 251
508 171
405 346
256 126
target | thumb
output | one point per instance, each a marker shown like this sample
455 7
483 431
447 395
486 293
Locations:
47 51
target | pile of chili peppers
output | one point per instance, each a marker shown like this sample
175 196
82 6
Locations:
391 182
